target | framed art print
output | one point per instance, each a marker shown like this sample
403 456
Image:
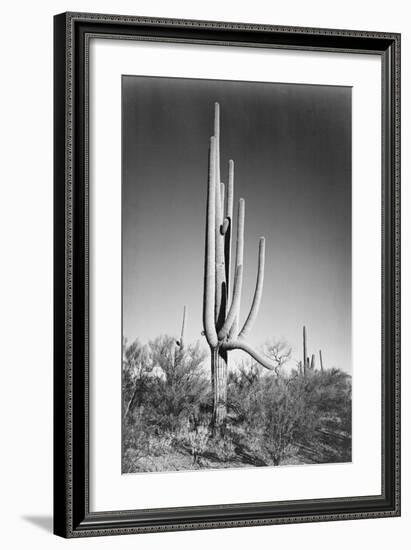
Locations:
227 271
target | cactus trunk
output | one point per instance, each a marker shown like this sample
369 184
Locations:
219 373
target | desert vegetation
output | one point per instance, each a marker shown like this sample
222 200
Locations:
274 417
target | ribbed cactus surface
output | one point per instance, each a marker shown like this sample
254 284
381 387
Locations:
221 306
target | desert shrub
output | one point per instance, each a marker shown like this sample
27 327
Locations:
287 418
244 389
279 414
134 448
137 366
279 352
331 396
224 444
183 389
198 439
164 388
273 413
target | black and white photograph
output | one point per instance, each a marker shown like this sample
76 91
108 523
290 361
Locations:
227 275
236 274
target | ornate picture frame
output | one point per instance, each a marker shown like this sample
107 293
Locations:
73 475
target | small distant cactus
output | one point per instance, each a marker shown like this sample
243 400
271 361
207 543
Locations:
321 361
181 342
178 345
307 363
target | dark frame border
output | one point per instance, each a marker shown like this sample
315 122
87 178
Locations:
72 32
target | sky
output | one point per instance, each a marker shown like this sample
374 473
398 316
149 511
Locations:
291 145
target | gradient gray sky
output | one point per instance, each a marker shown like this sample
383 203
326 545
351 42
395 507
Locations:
291 145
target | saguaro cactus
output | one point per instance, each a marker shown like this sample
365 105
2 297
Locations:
221 308
308 364
181 342
178 346
305 357
321 361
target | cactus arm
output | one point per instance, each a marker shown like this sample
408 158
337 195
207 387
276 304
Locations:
234 304
239 261
240 233
230 191
217 138
234 328
218 202
258 291
220 274
243 346
222 198
209 268
218 210
228 225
